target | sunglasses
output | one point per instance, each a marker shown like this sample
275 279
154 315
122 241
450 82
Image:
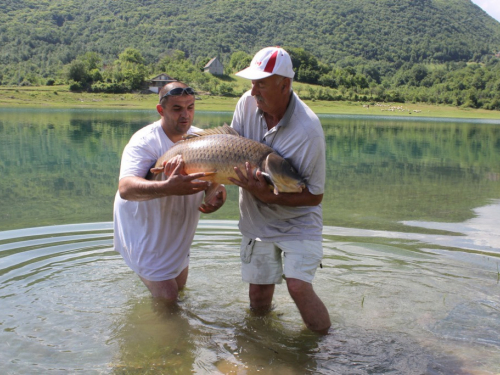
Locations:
179 91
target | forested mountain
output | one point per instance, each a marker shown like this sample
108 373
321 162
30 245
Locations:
51 31
376 38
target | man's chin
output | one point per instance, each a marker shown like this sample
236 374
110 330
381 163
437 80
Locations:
182 128
261 105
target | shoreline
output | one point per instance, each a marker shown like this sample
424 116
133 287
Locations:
59 97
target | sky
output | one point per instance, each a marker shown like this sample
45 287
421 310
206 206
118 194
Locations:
492 7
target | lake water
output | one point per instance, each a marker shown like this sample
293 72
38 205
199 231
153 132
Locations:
411 272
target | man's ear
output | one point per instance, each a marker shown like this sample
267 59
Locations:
159 109
286 83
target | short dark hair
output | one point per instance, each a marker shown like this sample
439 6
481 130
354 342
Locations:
169 86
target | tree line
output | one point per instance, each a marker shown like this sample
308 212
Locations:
369 50
473 85
49 34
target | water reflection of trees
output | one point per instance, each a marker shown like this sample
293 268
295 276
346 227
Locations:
62 166
381 172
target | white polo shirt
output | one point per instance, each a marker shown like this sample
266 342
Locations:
299 138
154 236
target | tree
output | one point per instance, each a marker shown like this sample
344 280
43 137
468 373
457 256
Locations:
306 65
92 60
131 55
417 74
84 71
239 61
77 71
202 62
129 69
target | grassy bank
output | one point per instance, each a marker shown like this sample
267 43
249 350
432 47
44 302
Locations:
61 97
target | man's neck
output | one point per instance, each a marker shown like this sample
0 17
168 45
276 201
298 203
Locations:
272 119
173 136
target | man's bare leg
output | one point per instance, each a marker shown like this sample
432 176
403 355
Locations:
167 289
261 298
311 308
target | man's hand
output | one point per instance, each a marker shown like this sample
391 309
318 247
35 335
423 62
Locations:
177 183
180 183
215 196
259 188
257 185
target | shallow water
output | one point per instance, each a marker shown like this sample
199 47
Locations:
410 274
399 304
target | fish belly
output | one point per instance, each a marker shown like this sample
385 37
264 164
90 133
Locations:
218 155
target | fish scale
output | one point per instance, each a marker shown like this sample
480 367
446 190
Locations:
218 154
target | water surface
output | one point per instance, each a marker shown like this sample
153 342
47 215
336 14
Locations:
410 274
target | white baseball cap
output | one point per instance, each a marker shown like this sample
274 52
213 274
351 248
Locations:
269 61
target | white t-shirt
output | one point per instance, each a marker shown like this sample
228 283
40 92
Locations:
299 138
154 236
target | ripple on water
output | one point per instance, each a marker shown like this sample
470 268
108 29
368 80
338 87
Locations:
55 284
70 304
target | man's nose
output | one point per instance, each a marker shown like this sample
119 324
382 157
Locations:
254 91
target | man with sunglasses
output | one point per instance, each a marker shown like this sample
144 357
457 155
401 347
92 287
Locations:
282 234
155 221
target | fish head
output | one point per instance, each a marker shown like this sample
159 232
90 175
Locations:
281 175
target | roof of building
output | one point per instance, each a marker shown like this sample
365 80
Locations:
162 77
210 62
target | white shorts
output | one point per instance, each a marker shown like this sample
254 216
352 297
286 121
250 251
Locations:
261 262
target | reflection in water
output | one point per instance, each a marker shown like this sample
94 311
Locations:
410 273
479 233
70 303
153 337
380 172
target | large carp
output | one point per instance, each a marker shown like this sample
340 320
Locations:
217 151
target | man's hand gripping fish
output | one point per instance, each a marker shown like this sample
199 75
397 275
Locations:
217 151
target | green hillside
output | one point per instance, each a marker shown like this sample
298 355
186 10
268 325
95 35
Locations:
374 49
57 31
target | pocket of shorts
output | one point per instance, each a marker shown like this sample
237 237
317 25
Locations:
246 250
309 265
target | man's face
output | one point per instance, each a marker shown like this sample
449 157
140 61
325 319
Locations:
178 114
269 93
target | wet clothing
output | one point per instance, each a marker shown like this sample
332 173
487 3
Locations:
262 262
154 236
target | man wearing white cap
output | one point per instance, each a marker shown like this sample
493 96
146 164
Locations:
282 233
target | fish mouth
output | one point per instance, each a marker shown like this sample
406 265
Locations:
279 173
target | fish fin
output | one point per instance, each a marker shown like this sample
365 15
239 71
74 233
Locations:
267 177
269 181
224 129
156 170
212 191
153 175
189 136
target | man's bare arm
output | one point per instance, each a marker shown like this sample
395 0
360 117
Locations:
139 189
259 188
